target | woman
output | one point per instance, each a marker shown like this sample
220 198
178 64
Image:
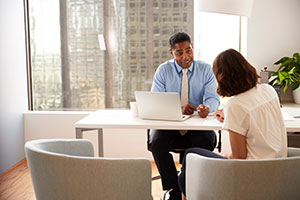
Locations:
252 115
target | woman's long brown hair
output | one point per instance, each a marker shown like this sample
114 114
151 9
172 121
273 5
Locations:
233 73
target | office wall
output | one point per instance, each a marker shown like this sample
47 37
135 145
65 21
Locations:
273 31
117 142
60 124
13 84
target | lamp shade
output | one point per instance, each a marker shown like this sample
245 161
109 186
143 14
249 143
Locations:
232 7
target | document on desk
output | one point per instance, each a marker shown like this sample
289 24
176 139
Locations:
209 121
294 112
286 116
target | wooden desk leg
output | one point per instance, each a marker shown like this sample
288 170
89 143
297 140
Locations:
100 142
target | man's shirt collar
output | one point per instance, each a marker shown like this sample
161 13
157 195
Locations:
179 68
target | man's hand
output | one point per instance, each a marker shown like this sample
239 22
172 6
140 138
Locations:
219 114
188 109
203 110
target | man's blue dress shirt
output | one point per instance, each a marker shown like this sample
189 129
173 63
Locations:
202 83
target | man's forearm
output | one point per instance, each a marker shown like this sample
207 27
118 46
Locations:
212 103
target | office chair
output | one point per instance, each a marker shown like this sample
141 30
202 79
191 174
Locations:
234 179
66 169
180 149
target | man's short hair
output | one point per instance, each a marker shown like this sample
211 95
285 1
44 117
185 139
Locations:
178 38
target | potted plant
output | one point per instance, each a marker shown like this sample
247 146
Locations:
288 75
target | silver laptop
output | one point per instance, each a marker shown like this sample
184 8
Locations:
159 106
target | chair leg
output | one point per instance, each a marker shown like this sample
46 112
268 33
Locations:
181 156
148 139
220 141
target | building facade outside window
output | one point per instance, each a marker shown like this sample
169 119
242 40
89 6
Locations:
93 54
71 72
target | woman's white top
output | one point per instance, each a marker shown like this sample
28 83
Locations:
256 114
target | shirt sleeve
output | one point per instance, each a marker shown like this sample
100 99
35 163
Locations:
236 118
211 98
159 83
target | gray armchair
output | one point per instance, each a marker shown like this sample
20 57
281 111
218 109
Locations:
209 178
66 169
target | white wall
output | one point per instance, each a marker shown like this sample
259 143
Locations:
117 142
13 83
273 31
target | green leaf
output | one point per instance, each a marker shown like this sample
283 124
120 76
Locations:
296 56
272 78
284 73
288 73
285 88
276 82
281 60
295 86
280 76
292 70
293 79
286 63
273 73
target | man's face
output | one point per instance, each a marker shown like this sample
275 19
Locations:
183 54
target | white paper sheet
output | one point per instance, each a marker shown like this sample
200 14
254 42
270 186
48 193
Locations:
286 116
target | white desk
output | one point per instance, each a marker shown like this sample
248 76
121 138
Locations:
294 110
122 119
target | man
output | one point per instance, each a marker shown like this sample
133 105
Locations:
196 84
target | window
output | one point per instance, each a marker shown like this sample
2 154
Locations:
88 55
70 71
215 33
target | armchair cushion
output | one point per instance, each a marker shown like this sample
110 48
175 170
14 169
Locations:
209 178
65 169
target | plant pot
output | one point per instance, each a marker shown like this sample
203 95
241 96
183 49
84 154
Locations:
296 95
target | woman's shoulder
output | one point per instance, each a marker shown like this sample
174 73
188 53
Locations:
265 86
236 102
254 97
267 89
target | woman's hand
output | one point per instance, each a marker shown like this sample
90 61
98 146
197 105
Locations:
219 114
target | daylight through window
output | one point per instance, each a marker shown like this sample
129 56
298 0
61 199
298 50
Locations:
93 54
